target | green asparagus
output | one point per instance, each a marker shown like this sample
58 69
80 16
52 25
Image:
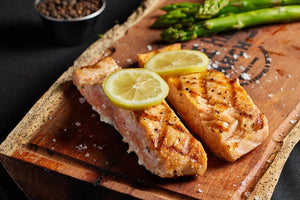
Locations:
238 6
210 8
188 13
281 14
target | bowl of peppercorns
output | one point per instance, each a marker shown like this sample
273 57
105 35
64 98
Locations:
71 22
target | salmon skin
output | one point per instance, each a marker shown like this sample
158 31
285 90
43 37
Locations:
161 142
216 109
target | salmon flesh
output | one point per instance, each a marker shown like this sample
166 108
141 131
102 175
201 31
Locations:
216 109
161 142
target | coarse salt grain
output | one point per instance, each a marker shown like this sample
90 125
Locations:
81 147
209 67
199 190
256 197
289 76
247 194
215 65
270 95
77 123
293 121
246 76
128 60
246 55
243 183
195 45
53 140
87 155
149 47
81 100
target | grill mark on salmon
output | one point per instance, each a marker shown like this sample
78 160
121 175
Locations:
161 142
216 109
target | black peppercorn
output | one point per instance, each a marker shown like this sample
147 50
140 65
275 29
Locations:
68 9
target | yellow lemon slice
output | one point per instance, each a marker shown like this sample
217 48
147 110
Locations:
180 62
135 89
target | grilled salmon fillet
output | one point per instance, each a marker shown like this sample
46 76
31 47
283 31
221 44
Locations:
161 142
216 109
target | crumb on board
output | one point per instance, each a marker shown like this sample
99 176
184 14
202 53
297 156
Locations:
149 47
81 100
77 124
199 190
81 147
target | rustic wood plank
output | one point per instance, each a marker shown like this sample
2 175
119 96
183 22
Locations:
63 134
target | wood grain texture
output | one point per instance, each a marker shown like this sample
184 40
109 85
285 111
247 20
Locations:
63 134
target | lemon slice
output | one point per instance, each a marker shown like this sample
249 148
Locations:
180 62
135 89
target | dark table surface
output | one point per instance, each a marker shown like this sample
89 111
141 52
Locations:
31 61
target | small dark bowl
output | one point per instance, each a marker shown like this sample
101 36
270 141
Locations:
71 31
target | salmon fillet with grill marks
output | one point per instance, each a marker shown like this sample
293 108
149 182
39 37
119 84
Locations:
161 142
216 109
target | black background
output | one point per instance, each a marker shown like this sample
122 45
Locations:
31 61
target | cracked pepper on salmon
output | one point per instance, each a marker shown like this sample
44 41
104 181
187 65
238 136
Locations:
216 109
161 142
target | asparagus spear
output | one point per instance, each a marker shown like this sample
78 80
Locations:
210 8
172 18
281 14
185 13
238 6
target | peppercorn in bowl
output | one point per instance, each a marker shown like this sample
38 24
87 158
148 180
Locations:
71 22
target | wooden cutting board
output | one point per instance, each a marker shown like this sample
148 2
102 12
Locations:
62 133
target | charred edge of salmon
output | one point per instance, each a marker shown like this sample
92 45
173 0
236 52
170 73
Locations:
229 144
162 143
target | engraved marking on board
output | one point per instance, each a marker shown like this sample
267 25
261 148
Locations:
236 52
